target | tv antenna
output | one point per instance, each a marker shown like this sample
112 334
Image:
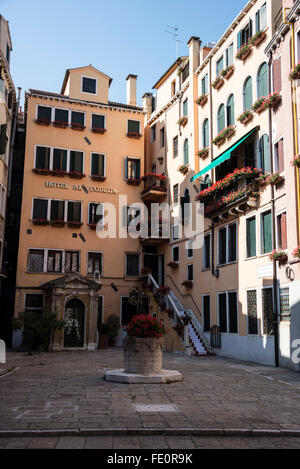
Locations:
173 30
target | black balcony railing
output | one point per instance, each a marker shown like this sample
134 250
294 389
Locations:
155 182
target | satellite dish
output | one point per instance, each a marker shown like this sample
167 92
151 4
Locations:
97 277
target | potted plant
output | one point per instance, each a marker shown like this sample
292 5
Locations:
103 331
43 171
182 121
58 172
228 71
160 159
57 222
163 290
243 52
42 121
295 74
187 284
219 139
296 161
173 265
40 221
272 100
96 177
76 174
229 131
183 169
219 81
77 126
275 179
98 130
60 124
245 117
74 224
258 106
186 320
92 226
133 135
257 38
113 323
133 181
143 345
202 100
203 153
296 252
278 256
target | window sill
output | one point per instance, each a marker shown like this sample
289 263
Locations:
250 258
205 269
227 264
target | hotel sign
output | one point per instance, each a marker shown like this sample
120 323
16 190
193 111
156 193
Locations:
77 187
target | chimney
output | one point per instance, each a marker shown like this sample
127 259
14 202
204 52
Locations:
147 104
131 90
194 53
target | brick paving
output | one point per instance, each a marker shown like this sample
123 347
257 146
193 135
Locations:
66 391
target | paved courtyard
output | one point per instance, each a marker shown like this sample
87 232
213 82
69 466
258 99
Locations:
65 393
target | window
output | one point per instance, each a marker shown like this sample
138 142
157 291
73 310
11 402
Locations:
132 265
232 244
227 244
173 87
57 211
262 81
228 312
284 304
244 35
162 138
98 165
261 18
89 85
133 127
3 139
34 302
266 232
264 158
175 194
77 118
128 311
251 237
76 161
132 168
74 212
190 249
186 151
40 209
281 231
175 254
185 110
233 309
35 260
44 112
95 213
59 159
229 55
252 312
175 232
247 94
184 203
153 133
2 200
222 246
190 272
206 312
94 262
206 252
277 82
72 261
279 156
222 304
54 261
175 147
153 103
221 118
219 66
7 53
98 121
267 308
132 217
230 110
42 158
204 84
61 116
205 134
185 72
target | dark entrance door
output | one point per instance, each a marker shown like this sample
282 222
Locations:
74 327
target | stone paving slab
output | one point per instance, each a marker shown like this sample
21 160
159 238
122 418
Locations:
66 391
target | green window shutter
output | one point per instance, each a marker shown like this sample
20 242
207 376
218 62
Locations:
239 40
3 139
251 237
262 81
257 25
95 164
264 150
138 169
221 118
205 134
267 232
230 110
186 151
251 27
248 96
126 167
124 215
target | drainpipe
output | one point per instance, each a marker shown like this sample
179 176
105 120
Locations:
212 247
12 143
275 296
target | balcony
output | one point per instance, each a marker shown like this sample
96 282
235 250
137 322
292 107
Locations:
155 187
155 238
231 196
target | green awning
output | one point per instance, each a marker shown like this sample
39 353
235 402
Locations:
225 156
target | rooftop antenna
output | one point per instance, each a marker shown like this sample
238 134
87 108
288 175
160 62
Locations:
173 30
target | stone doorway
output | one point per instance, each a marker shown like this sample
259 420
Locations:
74 327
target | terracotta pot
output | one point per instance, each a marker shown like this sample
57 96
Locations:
219 84
143 355
259 40
247 119
245 55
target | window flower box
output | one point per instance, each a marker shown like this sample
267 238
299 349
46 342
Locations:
76 126
202 100
182 121
296 252
173 265
203 153
76 174
60 124
96 177
58 223
244 52
43 171
227 72
163 290
74 224
229 131
245 117
187 284
272 100
42 121
219 139
295 74
40 221
134 135
92 226
258 38
279 256
58 172
275 179
184 169
259 105
296 161
133 181
219 81
98 130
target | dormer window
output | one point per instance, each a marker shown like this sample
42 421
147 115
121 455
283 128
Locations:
89 85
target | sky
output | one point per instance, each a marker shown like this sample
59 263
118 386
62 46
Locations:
116 36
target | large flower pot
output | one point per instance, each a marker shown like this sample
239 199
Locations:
143 355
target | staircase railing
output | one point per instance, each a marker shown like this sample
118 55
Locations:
177 313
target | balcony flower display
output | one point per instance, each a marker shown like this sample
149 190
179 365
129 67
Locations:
202 100
229 131
272 100
183 169
227 72
145 325
182 121
74 224
42 121
296 161
243 52
77 126
295 74
259 105
76 174
98 177
245 117
219 139
233 196
203 153
134 135
60 124
257 38
58 172
219 81
187 284
98 130
43 171
296 252
275 179
173 265
40 221
163 290
133 181
280 256
57 222
92 225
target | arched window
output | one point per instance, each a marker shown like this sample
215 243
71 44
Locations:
230 110
262 81
205 133
264 160
247 94
185 209
186 151
221 118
